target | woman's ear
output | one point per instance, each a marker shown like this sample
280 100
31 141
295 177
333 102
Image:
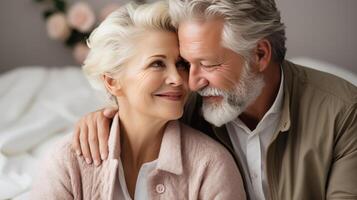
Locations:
113 86
263 54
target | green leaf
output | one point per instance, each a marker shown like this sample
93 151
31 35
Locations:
47 13
60 5
76 37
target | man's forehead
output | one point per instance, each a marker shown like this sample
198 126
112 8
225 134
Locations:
200 36
201 27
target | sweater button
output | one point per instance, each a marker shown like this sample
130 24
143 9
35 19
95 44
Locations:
160 188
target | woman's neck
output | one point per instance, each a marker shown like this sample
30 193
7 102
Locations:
140 138
140 143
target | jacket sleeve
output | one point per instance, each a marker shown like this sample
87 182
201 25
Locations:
53 178
342 183
222 180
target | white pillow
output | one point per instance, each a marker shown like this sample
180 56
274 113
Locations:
326 67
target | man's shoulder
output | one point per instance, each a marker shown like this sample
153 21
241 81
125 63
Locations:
322 99
315 82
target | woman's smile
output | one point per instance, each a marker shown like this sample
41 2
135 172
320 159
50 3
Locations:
171 95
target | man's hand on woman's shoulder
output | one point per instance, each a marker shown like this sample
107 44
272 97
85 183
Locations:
91 133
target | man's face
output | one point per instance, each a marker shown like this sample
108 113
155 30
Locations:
217 73
211 64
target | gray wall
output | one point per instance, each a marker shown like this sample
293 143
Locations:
320 29
23 37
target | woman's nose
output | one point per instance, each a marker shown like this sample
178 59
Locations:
174 78
196 79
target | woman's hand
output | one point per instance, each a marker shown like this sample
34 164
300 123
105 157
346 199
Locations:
91 135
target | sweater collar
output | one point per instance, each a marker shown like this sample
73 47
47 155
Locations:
170 155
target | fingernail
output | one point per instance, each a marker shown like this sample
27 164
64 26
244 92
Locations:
103 156
88 161
96 163
78 153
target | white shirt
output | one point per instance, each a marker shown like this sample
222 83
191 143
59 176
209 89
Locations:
251 146
141 188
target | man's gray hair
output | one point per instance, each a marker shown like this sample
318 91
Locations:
246 22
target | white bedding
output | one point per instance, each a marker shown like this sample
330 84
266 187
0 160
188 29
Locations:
38 106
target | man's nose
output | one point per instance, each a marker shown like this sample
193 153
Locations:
196 79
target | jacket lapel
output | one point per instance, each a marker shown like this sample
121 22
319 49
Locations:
109 168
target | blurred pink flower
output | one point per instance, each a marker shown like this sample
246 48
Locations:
80 52
81 17
107 10
57 27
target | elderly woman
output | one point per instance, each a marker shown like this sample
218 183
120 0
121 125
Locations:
134 56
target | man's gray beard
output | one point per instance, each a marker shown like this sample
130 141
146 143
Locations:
235 101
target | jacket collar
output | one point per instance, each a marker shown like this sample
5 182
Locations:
114 139
285 121
106 174
170 157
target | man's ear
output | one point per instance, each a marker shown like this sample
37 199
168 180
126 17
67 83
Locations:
113 86
262 54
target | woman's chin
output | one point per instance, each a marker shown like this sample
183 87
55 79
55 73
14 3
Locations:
172 114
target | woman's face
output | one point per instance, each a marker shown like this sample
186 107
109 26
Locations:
155 81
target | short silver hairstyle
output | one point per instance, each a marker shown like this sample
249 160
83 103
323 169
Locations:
246 22
113 42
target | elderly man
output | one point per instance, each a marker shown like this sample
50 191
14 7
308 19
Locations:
292 130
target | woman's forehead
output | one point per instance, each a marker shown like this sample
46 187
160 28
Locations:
158 43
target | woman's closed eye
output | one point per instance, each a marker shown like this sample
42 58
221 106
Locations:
158 64
183 65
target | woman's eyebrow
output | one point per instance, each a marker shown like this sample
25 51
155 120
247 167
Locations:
158 55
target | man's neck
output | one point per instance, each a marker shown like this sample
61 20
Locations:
256 111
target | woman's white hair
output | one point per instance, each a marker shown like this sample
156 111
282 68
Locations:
246 22
112 43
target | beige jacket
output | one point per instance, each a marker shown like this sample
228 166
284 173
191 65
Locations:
190 166
313 154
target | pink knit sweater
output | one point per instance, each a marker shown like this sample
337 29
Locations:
190 166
